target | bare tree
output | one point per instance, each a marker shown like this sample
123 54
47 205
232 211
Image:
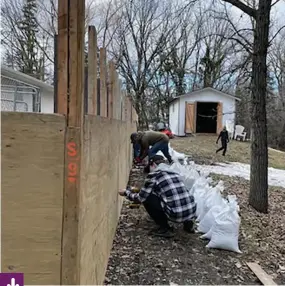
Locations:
12 35
178 62
144 30
22 39
258 197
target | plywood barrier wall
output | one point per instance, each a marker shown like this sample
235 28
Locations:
32 191
105 168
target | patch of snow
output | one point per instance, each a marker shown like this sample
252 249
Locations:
276 177
279 151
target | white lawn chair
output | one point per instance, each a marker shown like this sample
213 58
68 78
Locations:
239 133
230 128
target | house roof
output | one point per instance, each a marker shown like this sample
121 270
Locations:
202 89
16 75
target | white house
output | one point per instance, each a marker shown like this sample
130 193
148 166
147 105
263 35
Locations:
203 111
20 92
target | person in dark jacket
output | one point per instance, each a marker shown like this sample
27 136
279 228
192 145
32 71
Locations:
224 136
150 143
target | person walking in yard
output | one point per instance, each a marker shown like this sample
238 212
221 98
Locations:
224 136
165 198
158 142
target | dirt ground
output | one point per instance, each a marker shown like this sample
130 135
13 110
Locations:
202 147
140 259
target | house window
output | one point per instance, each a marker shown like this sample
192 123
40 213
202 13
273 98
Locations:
173 107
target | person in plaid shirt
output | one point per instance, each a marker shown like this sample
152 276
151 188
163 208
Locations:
165 198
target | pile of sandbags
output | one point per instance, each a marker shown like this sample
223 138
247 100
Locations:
217 217
176 156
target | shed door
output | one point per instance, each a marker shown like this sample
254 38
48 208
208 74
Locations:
190 120
219 117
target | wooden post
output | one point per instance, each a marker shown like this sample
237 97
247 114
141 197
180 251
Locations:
117 102
103 83
92 70
71 102
121 106
115 95
55 75
62 57
126 107
112 78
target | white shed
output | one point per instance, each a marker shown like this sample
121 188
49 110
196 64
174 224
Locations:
21 92
203 111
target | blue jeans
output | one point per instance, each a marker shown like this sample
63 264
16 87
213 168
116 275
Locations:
137 149
160 146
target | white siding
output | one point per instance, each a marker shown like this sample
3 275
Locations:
229 106
47 102
174 117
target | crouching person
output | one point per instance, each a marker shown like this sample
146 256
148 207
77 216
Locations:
165 198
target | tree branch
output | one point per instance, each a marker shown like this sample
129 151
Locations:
246 9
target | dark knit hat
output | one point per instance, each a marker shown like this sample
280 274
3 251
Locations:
157 159
133 136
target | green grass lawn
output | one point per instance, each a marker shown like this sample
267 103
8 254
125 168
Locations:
204 146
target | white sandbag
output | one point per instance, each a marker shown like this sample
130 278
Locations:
209 180
213 198
199 191
199 196
200 183
175 155
232 199
209 219
207 235
225 231
190 177
177 167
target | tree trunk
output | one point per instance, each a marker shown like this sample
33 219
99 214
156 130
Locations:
258 197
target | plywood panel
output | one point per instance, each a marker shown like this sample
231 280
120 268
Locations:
32 191
105 168
190 120
219 117
92 70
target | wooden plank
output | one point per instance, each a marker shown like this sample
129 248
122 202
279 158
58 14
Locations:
103 83
123 104
115 95
264 278
129 109
32 162
92 70
62 57
126 107
70 255
76 64
112 78
73 141
118 104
